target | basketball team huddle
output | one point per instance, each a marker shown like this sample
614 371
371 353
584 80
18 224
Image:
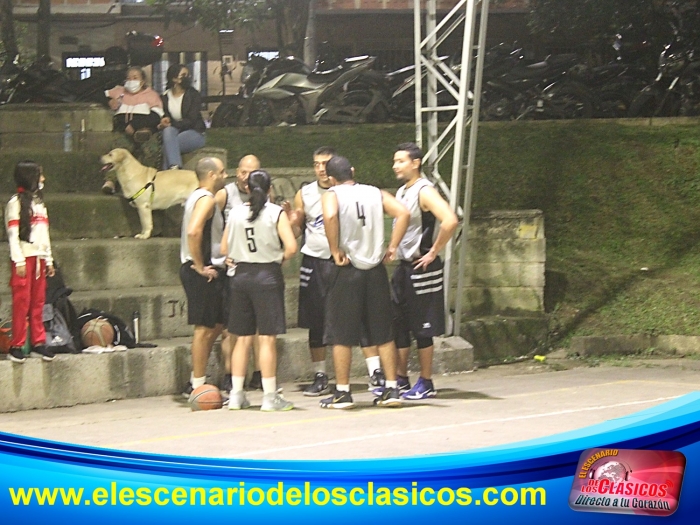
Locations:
235 239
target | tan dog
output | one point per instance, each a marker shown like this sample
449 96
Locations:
148 189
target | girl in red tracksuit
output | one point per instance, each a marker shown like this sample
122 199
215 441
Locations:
27 227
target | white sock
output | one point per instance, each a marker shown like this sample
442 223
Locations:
269 385
320 366
373 363
342 388
392 384
197 382
191 377
237 383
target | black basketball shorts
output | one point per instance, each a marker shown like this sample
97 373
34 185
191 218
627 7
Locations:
419 302
314 279
204 298
256 300
358 307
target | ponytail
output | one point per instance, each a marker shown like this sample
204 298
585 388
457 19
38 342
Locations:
27 175
259 185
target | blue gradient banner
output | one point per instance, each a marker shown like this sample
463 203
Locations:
529 481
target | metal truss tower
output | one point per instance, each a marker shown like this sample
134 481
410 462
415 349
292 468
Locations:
455 81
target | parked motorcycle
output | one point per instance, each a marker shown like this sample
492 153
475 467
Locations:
676 89
39 82
285 91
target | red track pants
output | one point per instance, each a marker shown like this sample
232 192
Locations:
28 298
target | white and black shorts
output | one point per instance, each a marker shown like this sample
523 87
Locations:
256 300
314 278
419 302
358 307
205 299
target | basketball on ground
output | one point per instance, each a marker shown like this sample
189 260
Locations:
97 332
206 397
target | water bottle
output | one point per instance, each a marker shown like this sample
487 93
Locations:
135 318
67 139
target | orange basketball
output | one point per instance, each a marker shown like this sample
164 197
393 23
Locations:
206 397
97 332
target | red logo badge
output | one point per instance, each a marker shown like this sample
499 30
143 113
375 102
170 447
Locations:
643 482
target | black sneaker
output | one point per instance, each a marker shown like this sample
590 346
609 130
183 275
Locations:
187 392
339 400
16 355
255 382
319 386
403 384
376 380
389 398
44 352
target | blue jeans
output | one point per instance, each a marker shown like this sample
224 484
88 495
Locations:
176 142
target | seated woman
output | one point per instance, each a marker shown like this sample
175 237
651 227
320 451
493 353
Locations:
183 126
138 110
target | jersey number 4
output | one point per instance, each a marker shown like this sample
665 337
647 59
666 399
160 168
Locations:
250 236
360 213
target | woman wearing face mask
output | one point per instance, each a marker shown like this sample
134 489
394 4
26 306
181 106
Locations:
183 126
137 108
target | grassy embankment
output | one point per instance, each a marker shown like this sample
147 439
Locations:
617 199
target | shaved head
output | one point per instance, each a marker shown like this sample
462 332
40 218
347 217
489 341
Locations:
246 166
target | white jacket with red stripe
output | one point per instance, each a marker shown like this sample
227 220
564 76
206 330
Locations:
39 244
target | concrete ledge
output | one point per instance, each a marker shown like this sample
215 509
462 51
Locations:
499 338
73 379
622 344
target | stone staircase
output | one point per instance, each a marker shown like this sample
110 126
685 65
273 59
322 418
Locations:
92 237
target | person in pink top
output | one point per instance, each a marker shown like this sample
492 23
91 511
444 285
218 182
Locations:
138 110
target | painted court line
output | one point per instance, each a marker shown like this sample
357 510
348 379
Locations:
452 426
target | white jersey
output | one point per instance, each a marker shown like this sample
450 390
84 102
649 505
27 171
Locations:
212 235
257 241
234 197
361 218
315 240
420 234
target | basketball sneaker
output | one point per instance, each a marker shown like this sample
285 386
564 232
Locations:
44 352
402 383
319 386
238 401
376 380
389 398
187 391
339 400
275 402
423 389
16 355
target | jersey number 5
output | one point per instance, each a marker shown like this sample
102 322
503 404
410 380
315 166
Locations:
360 213
249 235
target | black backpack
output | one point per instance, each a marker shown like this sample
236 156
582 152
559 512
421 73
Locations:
122 333
60 319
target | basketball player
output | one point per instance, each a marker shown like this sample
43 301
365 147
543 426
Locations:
258 238
200 273
316 268
417 283
231 195
358 304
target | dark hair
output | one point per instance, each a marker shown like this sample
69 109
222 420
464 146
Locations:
325 150
339 168
140 71
414 152
27 175
204 166
172 73
259 185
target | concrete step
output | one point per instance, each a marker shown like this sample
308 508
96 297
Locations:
163 309
73 379
101 264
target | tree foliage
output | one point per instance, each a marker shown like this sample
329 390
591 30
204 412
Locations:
289 17
595 22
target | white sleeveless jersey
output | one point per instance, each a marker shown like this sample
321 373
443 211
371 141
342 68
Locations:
234 197
212 234
420 234
361 217
315 240
257 241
